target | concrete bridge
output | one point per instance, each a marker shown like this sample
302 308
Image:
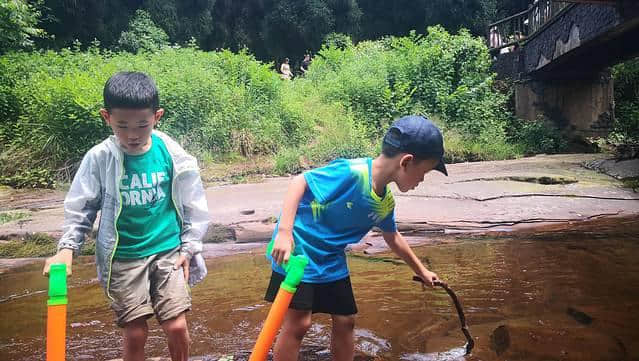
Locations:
559 54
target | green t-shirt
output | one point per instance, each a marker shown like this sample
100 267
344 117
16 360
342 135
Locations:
148 223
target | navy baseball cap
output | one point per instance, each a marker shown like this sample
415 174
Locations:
418 136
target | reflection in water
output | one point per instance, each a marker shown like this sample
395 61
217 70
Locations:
453 354
540 287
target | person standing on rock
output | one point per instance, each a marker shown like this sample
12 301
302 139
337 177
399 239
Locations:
326 209
153 214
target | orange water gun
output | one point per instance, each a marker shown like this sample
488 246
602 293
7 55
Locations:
294 273
57 312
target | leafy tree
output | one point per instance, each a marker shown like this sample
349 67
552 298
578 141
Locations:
86 20
505 8
401 16
18 24
474 15
338 40
183 19
392 17
292 26
348 16
143 35
269 28
626 76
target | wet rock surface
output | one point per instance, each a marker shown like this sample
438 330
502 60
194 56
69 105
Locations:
499 196
620 169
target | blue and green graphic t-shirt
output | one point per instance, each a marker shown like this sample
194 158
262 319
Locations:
338 208
148 223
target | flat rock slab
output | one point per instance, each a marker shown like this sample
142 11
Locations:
481 196
622 169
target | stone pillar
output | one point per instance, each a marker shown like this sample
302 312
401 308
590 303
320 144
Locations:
582 107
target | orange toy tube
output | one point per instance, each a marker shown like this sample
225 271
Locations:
271 325
57 313
56 332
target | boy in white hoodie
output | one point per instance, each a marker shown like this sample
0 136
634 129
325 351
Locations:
153 214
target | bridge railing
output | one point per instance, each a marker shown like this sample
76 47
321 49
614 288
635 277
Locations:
509 32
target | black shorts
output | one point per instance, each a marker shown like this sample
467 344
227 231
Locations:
334 298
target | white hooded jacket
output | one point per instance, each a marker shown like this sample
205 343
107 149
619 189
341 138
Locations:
96 187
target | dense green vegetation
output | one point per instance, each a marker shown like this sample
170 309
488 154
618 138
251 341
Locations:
221 102
626 127
272 29
228 104
19 24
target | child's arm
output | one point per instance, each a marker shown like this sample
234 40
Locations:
196 219
398 244
283 244
81 206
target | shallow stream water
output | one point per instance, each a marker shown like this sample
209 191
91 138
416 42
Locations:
559 294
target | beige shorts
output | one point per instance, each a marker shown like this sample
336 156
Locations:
147 286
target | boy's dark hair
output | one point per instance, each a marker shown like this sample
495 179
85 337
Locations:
130 89
390 151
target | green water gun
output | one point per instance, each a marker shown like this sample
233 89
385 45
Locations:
294 269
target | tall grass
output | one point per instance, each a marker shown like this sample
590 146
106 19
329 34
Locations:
220 103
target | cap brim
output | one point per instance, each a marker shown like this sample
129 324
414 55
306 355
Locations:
441 167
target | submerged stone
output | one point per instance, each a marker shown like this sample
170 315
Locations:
579 316
500 339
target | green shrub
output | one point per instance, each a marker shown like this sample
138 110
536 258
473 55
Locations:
439 73
30 245
338 41
215 102
143 34
336 140
220 103
539 136
626 77
288 161
6 217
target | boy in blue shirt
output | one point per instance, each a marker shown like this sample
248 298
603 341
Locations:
326 209
153 214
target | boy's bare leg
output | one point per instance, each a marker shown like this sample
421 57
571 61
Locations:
135 333
177 334
287 345
342 339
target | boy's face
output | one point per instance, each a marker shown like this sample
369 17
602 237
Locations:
412 171
132 127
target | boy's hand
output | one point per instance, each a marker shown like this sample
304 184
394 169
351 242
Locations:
428 277
63 256
282 247
183 262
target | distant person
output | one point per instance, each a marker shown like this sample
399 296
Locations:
153 214
494 38
285 70
306 62
328 208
